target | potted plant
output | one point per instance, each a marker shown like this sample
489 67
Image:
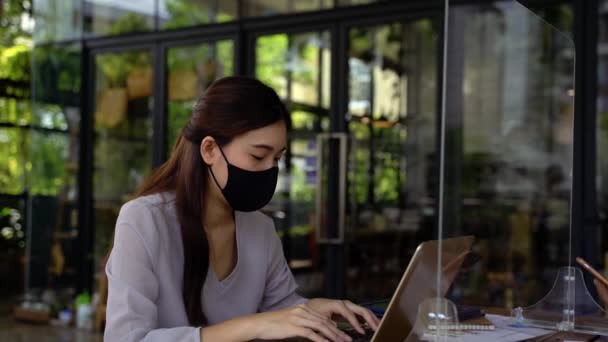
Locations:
111 108
183 78
127 75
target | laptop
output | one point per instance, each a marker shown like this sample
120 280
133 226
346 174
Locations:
419 282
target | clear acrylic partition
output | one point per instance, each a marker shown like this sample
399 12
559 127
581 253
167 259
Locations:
505 172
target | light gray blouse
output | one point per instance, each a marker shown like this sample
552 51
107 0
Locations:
145 272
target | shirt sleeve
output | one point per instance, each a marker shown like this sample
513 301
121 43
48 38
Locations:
131 313
280 291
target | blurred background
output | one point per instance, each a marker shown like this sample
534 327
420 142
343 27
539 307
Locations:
93 94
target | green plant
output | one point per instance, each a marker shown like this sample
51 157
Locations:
117 66
48 170
12 15
15 63
57 71
130 22
13 142
185 13
271 60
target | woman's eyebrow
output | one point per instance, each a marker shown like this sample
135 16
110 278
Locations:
267 147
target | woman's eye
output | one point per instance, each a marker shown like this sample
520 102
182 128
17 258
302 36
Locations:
257 158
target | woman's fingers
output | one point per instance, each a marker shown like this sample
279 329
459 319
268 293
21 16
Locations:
308 334
317 314
328 330
341 308
367 315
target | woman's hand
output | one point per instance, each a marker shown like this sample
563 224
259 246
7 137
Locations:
328 307
297 321
602 291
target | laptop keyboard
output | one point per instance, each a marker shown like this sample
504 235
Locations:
357 337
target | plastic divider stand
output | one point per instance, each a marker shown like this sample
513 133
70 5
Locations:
568 305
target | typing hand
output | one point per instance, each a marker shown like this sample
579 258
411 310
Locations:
346 309
297 321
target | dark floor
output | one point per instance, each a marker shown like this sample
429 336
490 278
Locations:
14 331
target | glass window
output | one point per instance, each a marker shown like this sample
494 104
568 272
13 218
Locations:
53 169
191 70
57 20
112 17
122 136
392 121
297 67
56 86
175 14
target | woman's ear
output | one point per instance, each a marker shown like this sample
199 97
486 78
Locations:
208 151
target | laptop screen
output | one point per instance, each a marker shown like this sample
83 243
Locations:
419 282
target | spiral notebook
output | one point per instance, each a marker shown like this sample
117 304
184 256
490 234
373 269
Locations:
480 323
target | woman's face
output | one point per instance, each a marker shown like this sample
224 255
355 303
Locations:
256 150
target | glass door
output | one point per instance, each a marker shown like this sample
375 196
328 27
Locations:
297 66
392 123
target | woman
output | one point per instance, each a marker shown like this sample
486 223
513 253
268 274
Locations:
193 259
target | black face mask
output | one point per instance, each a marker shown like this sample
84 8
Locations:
248 190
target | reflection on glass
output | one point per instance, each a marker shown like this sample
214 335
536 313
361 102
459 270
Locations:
297 67
183 13
191 70
256 8
391 113
123 128
509 140
103 17
57 20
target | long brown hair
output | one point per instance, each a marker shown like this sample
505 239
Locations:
231 106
